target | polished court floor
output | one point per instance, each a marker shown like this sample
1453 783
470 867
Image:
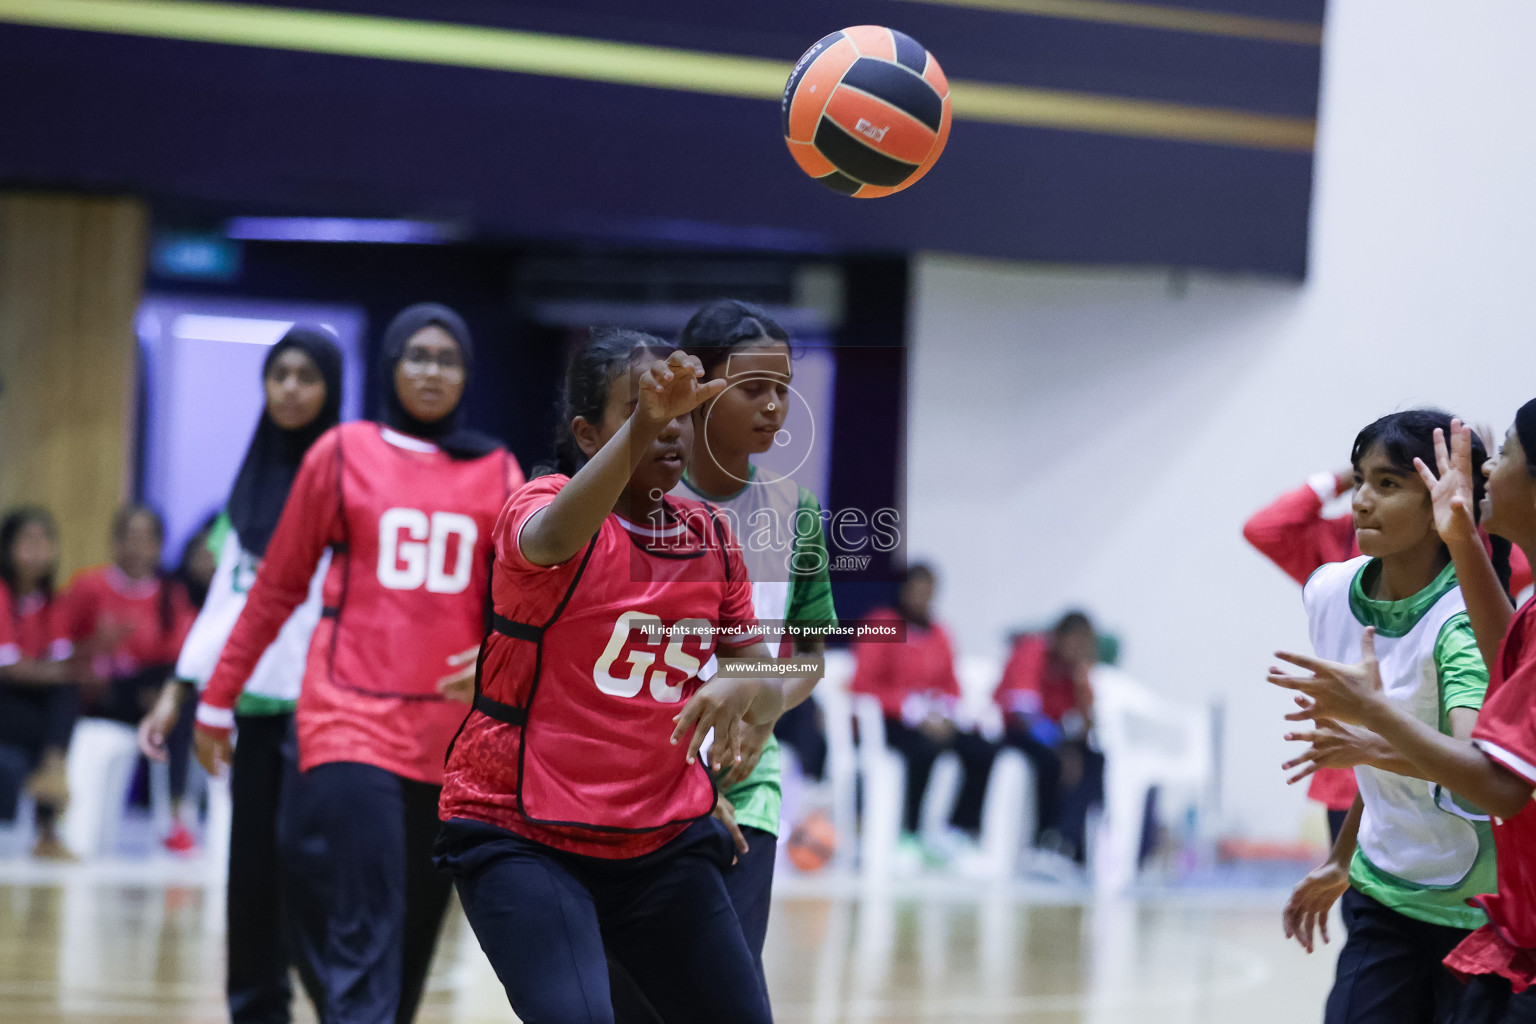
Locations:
143 941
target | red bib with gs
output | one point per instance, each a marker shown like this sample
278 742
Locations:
585 668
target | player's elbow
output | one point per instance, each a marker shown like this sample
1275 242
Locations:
1505 794
1509 798
1255 533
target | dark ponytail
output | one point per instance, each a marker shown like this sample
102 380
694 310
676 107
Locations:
1409 435
607 354
722 326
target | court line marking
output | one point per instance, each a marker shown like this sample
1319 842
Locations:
441 43
1174 19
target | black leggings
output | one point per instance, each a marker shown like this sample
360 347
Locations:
358 845
919 751
260 927
1489 999
34 719
544 918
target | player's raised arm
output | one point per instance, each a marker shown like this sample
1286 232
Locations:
667 389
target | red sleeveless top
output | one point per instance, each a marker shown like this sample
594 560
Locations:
586 683
410 530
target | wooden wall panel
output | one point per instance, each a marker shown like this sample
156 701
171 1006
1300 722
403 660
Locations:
71 276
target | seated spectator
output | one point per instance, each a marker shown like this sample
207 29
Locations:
129 619
919 696
1047 702
38 701
199 562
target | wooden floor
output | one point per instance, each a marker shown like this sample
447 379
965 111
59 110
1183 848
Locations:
92 944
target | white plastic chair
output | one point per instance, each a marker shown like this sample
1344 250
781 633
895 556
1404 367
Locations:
831 696
1008 805
1148 742
99 768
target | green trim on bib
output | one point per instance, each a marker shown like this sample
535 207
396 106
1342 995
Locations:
255 704
1396 618
1434 904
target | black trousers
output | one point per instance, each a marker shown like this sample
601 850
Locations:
261 930
1489 999
1335 824
34 719
920 752
749 883
800 727
1046 764
358 843
549 921
1390 971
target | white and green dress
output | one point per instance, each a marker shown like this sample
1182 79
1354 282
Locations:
779 527
1422 852
273 688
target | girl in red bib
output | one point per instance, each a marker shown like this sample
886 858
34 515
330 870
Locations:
577 807
406 508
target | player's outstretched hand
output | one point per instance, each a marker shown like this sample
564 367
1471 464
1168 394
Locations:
1450 485
1331 745
157 725
214 751
1338 692
671 388
1307 910
753 739
720 704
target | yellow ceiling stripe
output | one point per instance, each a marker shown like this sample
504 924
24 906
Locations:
1177 19
627 64
1076 111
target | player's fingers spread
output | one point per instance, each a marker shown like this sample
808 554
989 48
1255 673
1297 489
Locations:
1368 643
687 717
1308 770
696 741
1302 683
1303 661
726 751
1425 474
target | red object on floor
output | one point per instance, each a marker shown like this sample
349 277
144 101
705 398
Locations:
181 840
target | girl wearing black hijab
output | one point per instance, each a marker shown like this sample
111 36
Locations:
406 507
301 377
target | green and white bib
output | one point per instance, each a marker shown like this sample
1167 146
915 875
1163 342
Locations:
1421 851
274 685
779 527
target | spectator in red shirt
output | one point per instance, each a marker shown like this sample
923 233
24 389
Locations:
128 619
919 697
1047 704
38 701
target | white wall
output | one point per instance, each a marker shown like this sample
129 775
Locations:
1117 430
